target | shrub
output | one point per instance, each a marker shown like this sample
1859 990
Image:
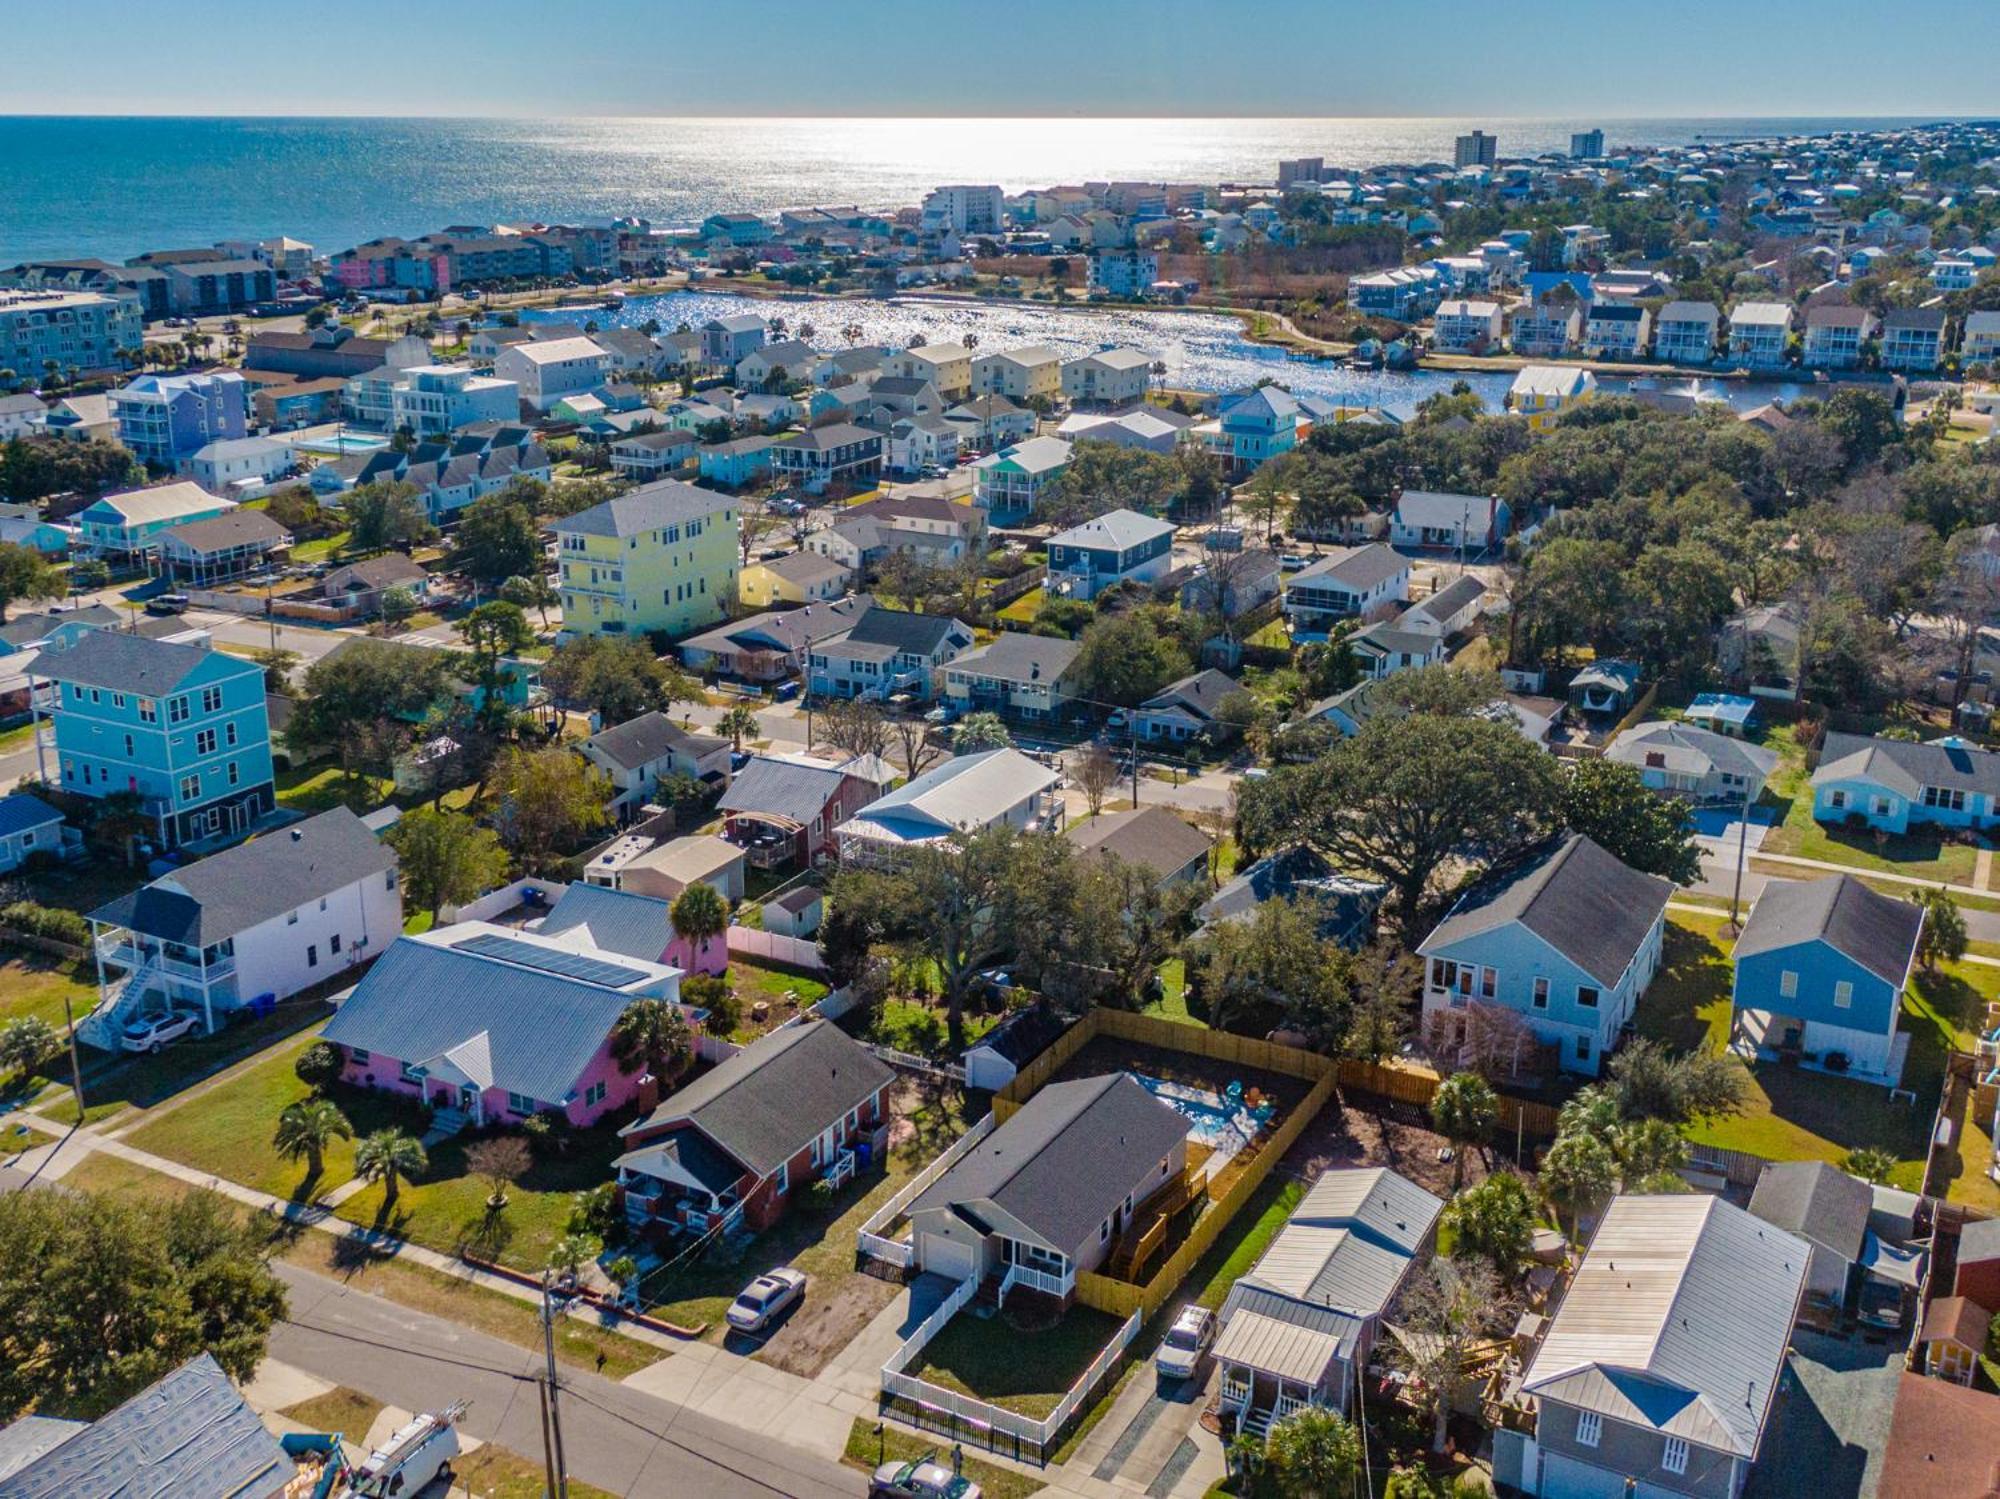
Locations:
593 1213
822 1192
318 1066
550 1131
47 922
27 1043
1835 1061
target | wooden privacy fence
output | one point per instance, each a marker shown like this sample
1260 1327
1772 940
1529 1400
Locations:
1415 1085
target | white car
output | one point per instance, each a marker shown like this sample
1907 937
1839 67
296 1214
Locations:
922 1479
153 1032
761 1302
1187 1342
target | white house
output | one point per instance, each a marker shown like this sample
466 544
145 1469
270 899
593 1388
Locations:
258 922
433 400
238 464
1111 377
1019 374
1466 327
1759 334
547 370
966 794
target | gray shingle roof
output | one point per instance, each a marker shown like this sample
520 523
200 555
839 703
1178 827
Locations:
637 926
1015 657
1201 693
1683 747
1153 838
665 502
1877 931
538 1030
1116 531
1579 899
782 629
373 573
1448 600
781 788
120 662
241 887
1816 1202
189 1435
231 528
1066 1159
24 629
1905 766
901 630
767 1102
1357 569
642 740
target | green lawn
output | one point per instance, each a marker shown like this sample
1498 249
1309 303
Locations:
918 1028
992 1360
866 1451
1919 855
34 985
313 789
1172 1004
321 550
1794 1114
1022 610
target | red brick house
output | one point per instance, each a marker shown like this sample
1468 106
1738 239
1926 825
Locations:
803 1102
783 811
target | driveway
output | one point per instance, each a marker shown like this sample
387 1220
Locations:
1832 1422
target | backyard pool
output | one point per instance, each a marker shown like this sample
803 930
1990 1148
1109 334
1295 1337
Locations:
1224 1125
335 444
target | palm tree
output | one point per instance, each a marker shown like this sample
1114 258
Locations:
852 333
653 1034
306 1128
804 332
971 340
778 326
390 1156
700 914
1464 1111
740 723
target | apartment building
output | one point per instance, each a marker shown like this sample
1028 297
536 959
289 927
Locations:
1760 334
1684 333
1110 377
547 370
1466 327
434 400
947 366
1913 339
81 330
1616 330
662 558
1019 374
1835 336
1123 273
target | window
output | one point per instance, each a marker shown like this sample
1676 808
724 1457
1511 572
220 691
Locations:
389 880
1836 800
783 1180
1938 796
333 943
1788 985
1441 973
190 787
229 732
1541 994
291 918
128 746
312 955
211 700
1583 1048
117 699
149 711
1589 1428
177 710
1104 1232
232 773
1674 1456
520 1103
204 742
413 1074
1843 995
356 1054
1586 996
1488 982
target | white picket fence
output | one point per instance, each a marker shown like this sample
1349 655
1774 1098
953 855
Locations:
991 1421
872 1238
794 952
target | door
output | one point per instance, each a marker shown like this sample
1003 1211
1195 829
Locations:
468 1098
948 1257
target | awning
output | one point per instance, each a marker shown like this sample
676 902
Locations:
1899 1264
1252 1340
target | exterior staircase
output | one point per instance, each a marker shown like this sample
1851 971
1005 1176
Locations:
1255 1424
101 1026
445 1123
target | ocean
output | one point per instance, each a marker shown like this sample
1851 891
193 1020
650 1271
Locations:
115 187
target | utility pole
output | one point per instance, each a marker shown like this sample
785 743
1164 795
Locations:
548 1451
1742 838
560 1466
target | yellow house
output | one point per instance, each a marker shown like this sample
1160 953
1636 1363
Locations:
795 578
1542 390
663 557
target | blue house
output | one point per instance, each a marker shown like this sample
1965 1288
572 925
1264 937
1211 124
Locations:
1820 971
1258 424
735 464
54 631
1897 784
28 826
183 727
1566 940
1121 547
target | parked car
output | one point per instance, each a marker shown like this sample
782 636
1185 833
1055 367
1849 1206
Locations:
167 603
1186 1344
153 1032
762 1301
943 713
926 1478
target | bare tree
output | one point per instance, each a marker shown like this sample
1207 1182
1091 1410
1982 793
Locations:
1096 773
913 744
1217 585
854 726
1450 1309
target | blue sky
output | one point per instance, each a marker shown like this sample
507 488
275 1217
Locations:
900 57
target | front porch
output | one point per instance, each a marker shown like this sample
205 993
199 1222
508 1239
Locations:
1250 1401
1772 1036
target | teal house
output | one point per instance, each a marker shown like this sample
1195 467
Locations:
183 727
1820 972
1898 784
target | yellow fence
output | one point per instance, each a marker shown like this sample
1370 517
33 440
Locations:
1414 1085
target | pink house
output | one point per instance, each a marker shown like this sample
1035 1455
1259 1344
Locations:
496 1024
637 926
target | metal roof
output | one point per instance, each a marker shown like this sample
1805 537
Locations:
1877 931
767 1102
636 926
964 794
1116 530
255 882
1679 1321
1573 895
188 1436
1065 1160
1273 1335
768 787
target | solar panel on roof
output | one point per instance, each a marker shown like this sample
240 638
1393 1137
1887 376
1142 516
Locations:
549 960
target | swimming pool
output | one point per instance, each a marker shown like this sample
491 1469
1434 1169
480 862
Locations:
1223 1127
333 446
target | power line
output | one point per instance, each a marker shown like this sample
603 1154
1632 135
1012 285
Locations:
439 1358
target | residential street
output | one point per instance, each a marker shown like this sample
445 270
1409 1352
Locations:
616 1438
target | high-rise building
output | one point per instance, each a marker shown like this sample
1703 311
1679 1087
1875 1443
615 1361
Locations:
72 329
1475 150
965 210
1304 169
1587 145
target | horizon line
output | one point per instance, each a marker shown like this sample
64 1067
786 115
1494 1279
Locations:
1938 117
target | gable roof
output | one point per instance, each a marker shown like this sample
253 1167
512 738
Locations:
19 812
1678 1321
249 884
1116 530
902 630
651 507
765 1103
163 502
642 740
634 926
1877 931
1356 569
1443 510
1019 658
1573 895
965 793
231 528
806 568
25 629
374 573
1065 1159
1944 1440
1819 1204
1905 766
1201 693
118 661
527 1030
783 629
1151 837
1685 748
1448 600
190 1433
769 787
1350 1241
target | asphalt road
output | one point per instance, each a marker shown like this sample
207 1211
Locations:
616 1438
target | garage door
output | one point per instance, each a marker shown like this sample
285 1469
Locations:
948 1257
1566 1478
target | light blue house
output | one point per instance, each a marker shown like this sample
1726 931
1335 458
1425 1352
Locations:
183 727
735 464
1897 784
1258 424
28 826
55 631
1564 942
1820 972
166 419
127 525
